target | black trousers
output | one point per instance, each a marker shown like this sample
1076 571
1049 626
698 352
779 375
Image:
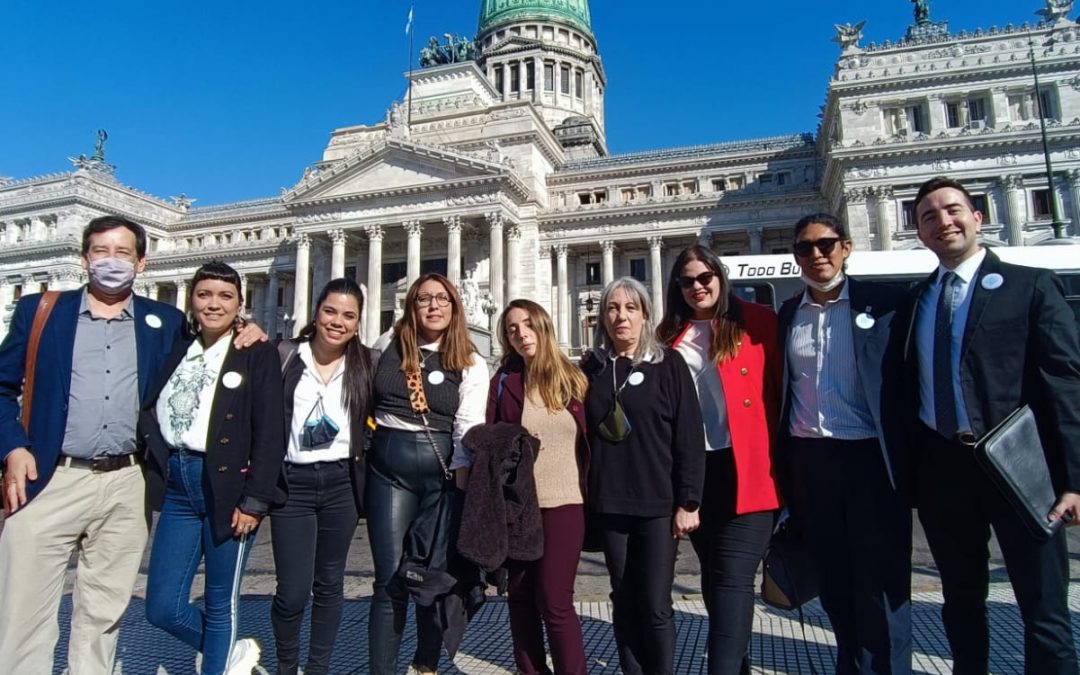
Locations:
404 479
957 507
640 557
729 547
858 529
311 535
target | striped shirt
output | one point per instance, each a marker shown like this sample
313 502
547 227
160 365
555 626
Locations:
826 399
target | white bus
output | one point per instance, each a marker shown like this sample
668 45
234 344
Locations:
771 279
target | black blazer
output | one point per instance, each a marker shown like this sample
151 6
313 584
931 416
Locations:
244 443
1020 346
879 367
294 368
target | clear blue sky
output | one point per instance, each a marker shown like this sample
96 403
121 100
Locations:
231 99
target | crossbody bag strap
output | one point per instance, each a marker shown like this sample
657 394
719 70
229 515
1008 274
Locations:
414 380
41 315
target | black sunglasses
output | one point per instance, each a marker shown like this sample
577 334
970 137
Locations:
705 278
805 249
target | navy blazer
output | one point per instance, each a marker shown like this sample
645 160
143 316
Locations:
245 441
879 367
1020 346
52 380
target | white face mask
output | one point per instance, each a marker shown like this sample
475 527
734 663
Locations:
824 286
111 276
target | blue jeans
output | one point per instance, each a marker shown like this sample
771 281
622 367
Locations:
183 538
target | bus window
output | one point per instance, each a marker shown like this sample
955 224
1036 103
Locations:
760 293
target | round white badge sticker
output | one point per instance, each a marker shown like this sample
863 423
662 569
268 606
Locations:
636 378
153 320
864 321
436 377
232 379
992 281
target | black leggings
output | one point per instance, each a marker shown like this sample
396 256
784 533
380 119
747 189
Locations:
729 547
311 535
404 479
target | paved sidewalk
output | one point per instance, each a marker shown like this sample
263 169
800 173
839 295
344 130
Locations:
778 645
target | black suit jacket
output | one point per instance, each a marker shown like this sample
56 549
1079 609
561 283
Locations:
245 442
1020 346
879 367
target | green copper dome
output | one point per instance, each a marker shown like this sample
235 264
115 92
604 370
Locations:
495 13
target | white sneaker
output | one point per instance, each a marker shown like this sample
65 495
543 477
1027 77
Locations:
243 658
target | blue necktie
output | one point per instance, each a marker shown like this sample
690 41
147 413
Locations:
944 396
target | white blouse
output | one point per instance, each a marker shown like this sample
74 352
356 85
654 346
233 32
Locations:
184 405
308 391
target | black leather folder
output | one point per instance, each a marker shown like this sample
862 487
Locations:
1012 455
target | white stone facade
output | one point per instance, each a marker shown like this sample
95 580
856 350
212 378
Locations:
509 190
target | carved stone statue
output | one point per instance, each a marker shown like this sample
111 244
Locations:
848 36
922 12
471 301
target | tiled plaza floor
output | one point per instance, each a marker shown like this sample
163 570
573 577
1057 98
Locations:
778 644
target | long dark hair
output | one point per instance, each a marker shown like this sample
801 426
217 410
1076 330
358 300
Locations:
727 328
356 394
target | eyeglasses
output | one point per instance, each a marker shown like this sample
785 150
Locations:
805 249
705 278
427 299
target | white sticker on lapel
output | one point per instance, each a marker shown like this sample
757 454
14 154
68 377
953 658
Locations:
636 378
992 281
436 377
864 321
232 379
153 320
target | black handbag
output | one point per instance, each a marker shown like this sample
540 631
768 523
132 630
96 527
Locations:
789 579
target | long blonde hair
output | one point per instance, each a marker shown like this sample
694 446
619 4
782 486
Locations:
455 347
549 374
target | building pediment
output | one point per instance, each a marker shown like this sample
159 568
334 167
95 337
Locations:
389 166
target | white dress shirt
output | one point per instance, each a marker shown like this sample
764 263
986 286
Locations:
184 405
826 399
694 347
472 401
309 389
965 272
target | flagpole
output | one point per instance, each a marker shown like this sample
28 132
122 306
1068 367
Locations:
408 113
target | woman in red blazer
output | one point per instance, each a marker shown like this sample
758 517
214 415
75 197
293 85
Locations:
731 349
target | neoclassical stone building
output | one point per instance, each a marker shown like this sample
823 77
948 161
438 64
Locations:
494 170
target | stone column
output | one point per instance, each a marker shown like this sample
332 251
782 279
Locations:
181 295
338 238
271 316
245 294
453 248
152 290
885 211
756 235
495 260
562 279
858 219
413 229
300 289
656 270
1073 176
513 262
1014 206
374 283
538 78
7 298
607 265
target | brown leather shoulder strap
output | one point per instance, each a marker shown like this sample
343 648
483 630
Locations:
44 308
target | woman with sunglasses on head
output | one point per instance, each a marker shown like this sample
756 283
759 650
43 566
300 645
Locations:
214 448
327 377
730 347
645 473
843 447
539 388
430 388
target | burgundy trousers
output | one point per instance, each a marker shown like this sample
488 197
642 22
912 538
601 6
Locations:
541 594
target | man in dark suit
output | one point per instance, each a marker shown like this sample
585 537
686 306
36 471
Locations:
986 338
843 450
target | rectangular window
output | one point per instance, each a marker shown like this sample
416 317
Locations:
765 179
628 194
499 79
976 110
637 268
736 183
393 272
981 204
783 178
436 265
1048 105
530 76
280 297
1040 204
671 189
592 274
549 77
908 207
915 119
579 84
386 320
564 81
16 292
515 77
718 185
952 115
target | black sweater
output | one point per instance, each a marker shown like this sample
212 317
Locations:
661 464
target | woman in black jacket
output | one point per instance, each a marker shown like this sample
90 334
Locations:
327 375
212 427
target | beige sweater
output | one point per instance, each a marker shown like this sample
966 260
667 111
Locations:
556 471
